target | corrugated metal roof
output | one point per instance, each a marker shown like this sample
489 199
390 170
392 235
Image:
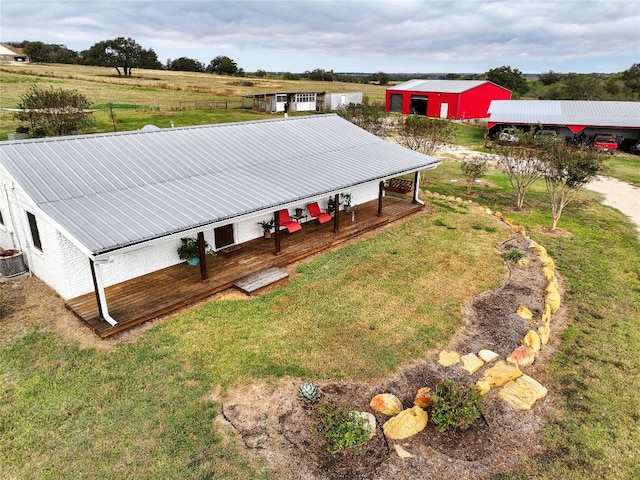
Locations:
566 112
444 86
110 191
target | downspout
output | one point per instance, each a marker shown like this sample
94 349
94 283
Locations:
101 297
416 188
29 260
15 238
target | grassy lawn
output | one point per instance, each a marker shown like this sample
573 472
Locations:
145 410
594 433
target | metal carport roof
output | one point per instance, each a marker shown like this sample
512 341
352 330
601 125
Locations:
111 191
566 112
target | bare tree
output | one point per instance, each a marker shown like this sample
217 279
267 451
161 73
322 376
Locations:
520 162
424 134
567 170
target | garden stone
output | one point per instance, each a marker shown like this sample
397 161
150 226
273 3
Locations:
386 403
471 363
488 356
553 300
523 356
500 374
523 392
406 424
424 397
532 339
524 312
544 332
446 359
370 421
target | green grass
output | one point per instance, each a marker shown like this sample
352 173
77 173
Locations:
146 410
624 166
593 433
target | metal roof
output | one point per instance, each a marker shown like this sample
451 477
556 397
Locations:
444 86
110 191
566 112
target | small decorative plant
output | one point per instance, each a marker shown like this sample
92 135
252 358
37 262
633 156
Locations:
331 205
455 405
189 250
341 428
513 255
267 227
473 169
346 200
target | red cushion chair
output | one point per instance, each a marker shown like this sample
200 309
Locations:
315 212
284 220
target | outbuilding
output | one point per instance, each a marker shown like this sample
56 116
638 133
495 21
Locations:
571 119
94 211
452 99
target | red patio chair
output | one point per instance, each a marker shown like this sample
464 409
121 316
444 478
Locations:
284 220
315 212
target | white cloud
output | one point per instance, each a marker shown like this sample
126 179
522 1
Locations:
298 35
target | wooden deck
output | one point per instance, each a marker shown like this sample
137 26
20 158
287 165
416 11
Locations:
167 290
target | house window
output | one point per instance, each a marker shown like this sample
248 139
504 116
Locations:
35 234
305 97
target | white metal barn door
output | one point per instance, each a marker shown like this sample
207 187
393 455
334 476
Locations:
444 110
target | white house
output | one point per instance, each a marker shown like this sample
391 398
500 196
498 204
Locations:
94 210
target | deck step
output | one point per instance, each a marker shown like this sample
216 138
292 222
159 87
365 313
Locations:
251 283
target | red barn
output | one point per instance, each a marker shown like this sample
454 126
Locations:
453 99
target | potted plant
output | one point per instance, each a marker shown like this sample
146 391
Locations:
298 212
267 226
347 201
331 206
189 250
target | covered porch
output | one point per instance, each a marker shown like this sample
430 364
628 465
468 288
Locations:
167 290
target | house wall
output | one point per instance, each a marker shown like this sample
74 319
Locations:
66 269
334 101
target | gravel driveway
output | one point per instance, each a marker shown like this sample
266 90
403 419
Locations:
619 195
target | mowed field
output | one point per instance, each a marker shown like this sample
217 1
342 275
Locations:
154 96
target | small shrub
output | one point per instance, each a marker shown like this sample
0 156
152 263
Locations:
455 405
439 223
341 428
513 255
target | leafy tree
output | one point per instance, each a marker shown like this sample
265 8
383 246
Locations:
55 112
222 66
370 117
566 170
520 163
549 77
149 59
320 75
261 73
508 78
120 53
582 87
50 53
424 134
631 78
184 64
473 169
383 78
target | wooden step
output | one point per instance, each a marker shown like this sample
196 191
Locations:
252 283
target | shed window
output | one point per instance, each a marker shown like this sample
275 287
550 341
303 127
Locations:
395 104
35 234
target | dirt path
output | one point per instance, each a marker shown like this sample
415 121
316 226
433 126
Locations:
619 195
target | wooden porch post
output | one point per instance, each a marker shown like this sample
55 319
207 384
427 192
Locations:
203 256
380 192
277 233
336 218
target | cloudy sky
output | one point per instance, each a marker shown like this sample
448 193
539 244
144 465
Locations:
349 36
